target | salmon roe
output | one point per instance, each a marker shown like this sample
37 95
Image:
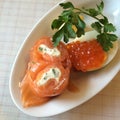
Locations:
87 55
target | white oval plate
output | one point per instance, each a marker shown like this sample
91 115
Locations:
88 83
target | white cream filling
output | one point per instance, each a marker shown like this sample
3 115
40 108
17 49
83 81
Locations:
53 73
45 50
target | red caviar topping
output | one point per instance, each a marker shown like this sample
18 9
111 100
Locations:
87 55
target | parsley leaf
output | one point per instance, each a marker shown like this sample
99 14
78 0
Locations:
57 23
70 17
67 5
97 26
106 40
93 12
57 37
69 30
100 7
109 28
104 20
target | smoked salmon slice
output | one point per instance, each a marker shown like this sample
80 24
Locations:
37 54
28 96
35 67
47 74
55 84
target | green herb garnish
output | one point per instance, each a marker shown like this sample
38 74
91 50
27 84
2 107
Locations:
71 17
40 49
55 72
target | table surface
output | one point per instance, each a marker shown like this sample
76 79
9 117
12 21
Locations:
17 18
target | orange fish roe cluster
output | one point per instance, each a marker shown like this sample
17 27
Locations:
87 55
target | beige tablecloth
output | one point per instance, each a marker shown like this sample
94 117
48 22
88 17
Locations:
17 18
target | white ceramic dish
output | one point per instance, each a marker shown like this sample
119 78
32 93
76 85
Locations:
88 83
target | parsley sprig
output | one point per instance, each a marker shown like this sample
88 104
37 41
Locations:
71 17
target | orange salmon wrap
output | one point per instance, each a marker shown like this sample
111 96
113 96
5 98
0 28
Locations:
34 89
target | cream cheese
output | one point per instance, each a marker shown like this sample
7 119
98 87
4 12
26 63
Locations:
53 73
45 50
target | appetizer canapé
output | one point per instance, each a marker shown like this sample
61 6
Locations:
87 54
85 59
47 74
49 66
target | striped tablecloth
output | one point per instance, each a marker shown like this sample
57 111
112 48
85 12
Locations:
17 18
